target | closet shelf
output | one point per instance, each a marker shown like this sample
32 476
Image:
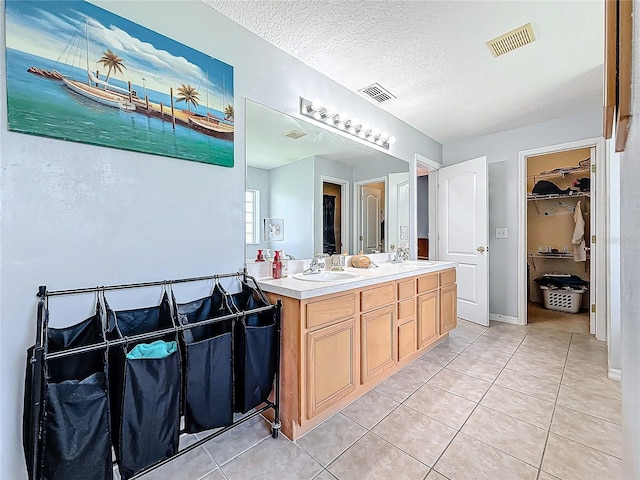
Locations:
550 255
561 173
558 195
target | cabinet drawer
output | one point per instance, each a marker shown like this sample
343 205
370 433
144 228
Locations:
329 310
406 309
428 283
406 289
448 277
377 297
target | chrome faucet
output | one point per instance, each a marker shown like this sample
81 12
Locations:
317 264
401 255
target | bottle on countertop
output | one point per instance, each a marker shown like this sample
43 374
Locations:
260 256
285 264
276 266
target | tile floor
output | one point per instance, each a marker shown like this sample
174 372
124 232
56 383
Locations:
504 402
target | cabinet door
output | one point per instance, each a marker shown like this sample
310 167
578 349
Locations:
378 341
330 365
406 339
448 301
428 318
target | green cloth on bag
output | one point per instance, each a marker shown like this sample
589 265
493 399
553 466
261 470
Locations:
152 351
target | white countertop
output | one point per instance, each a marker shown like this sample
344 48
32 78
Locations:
386 272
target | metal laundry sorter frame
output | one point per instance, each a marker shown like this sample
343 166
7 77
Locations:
39 356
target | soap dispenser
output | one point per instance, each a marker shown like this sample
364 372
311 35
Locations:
285 264
276 266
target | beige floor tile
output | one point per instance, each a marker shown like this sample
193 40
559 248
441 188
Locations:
507 346
508 335
463 336
445 407
215 475
433 475
521 362
232 443
459 384
451 345
546 476
398 387
587 341
525 383
194 464
332 437
271 458
489 355
471 327
508 434
373 458
555 357
475 368
418 435
519 405
324 475
595 355
565 458
588 430
468 458
439 357
595 367
592 383
369 409
590 403
423 370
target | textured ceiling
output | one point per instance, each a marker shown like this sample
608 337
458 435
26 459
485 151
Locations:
432 56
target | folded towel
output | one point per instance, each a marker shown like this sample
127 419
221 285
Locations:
155 350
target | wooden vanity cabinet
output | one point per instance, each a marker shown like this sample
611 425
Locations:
377 327
406 318
428 306
448 301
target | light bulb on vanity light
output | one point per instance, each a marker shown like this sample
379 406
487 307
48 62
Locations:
391 140
316 105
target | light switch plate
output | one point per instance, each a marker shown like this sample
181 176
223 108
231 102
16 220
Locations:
501 232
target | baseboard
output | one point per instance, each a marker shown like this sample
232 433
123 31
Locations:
615 374
504 318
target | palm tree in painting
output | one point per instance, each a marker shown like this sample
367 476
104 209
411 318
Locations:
228 112
111 62
189 95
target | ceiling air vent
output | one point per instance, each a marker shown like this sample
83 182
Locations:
377 92
510 41
295 134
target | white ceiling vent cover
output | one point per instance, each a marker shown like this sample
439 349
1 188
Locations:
377 92
510 41
295 134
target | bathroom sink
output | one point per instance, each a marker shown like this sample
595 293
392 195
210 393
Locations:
326 276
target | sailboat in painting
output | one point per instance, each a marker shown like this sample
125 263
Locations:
210 124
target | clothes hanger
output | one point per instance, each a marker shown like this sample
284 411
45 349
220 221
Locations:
560 208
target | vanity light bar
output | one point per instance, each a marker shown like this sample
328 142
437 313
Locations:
314 109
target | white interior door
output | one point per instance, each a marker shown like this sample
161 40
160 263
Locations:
370 208
398 212
464 234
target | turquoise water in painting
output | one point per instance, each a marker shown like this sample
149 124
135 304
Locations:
41 106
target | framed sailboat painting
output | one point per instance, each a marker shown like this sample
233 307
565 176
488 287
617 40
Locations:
80 73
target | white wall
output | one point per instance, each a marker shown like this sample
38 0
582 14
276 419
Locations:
258 179
74 215
630 273
613 328
502 150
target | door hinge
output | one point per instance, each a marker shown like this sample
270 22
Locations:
593 239
593 168
593 308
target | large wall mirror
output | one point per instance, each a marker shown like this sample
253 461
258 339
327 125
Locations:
310 190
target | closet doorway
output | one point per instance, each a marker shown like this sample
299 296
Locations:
563 277
335 225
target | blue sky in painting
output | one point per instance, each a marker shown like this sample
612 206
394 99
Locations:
56 30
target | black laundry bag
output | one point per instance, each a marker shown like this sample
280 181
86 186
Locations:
145 393
75 437
254 350
208 394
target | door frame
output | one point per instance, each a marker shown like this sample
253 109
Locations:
433 168
598 281
356 211
344 208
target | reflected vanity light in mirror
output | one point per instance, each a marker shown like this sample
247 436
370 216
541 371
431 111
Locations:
316 110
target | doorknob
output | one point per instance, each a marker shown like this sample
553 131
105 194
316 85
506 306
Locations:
480 249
